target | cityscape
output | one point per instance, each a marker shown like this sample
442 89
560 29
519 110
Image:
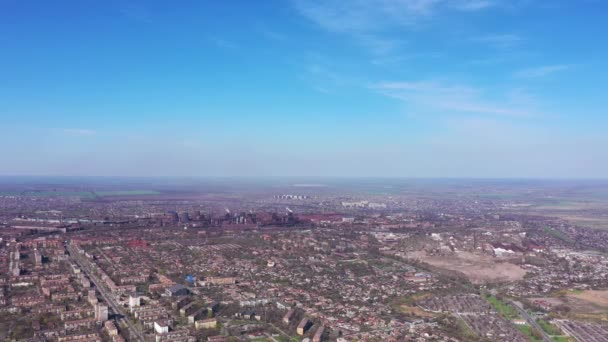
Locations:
303 171
363 260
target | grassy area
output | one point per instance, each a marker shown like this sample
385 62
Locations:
504 309
81 194
465 331
411 299
282 339
559 235
48 193
528 331
287 339
548 327
561 339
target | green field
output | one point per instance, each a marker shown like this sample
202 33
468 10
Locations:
558 235
126 193
464 329
81 194
527 330
548 327
504 309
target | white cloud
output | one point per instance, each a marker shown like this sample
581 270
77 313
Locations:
541 71
441 99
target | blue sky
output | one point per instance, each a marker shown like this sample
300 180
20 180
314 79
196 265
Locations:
391 88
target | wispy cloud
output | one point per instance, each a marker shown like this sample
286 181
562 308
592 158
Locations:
379 46
403 58
325 79
475 5
369 22
499 41
223 43
440 98
136 12
541 71
272 34
78 131
374 15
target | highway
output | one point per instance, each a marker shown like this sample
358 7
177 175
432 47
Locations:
108 297
532 322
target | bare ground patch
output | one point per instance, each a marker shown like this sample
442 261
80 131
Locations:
585 303
478 269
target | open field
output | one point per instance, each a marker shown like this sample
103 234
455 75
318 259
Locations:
48 193
504 309
559 235
583 304
528 331
81 194
126 193
407 306
478 269
414 311
597 298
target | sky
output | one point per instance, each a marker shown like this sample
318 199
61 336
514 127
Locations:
358 88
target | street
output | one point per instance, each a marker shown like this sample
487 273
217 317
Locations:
108 297
532 322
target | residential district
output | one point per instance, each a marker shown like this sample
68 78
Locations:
308 265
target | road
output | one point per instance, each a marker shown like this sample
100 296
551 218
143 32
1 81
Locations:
107 296
532 322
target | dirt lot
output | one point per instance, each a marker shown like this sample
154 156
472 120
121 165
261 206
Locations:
479 269
415 311
599 298
586 302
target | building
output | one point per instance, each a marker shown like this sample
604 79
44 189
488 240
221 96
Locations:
91 297
206 324
177 290
161 327
217 339
134 301
287 317
110 328
319 334
77 324
219 281
101 312
37 257
187 309
520 321
303 327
